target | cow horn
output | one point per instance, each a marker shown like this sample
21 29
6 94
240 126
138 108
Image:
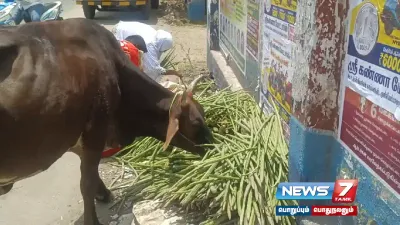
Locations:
194 83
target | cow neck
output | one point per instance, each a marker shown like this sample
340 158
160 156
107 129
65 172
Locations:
145 103
143 91
157 111
158 99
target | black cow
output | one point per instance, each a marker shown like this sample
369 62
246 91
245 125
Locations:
63 80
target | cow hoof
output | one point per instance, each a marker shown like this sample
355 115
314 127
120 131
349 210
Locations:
5 189
104 196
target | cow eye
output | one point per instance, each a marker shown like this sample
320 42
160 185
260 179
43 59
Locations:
196 123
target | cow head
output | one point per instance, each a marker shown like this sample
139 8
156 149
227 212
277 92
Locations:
187 128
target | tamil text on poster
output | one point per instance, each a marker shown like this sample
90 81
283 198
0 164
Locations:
372 88
373 134
279 20
233 33
253 27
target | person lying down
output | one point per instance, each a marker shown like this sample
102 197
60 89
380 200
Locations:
157 42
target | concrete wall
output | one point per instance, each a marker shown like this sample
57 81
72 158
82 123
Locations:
332 67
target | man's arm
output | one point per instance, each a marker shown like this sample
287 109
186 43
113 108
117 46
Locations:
173 72
152 64
163 71
160 70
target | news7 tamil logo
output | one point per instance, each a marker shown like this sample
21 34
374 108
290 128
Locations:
341 191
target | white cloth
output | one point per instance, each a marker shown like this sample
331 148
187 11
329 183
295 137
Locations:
151 63
163 40
123 30
151 59
157 42
25 4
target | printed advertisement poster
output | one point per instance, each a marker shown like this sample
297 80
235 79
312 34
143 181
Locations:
278 38
373 134
234 27
266 60
265 103
372 77
253 27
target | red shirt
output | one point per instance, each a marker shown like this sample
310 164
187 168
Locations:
131 51
135 56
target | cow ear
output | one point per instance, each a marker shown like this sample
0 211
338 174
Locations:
173 127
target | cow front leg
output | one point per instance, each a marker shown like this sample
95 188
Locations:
103 194
93 141
89 171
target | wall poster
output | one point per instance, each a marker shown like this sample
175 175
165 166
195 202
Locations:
369 127
253 51
278 41
233 24
279 17
253 27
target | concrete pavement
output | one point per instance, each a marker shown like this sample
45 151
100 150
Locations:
46 198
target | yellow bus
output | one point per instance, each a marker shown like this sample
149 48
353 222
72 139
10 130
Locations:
90 6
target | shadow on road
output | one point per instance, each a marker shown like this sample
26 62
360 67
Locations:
112 211
111 18
105 214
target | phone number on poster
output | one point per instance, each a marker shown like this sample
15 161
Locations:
390 62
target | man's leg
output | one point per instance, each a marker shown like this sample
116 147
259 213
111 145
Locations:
18 15
36 12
